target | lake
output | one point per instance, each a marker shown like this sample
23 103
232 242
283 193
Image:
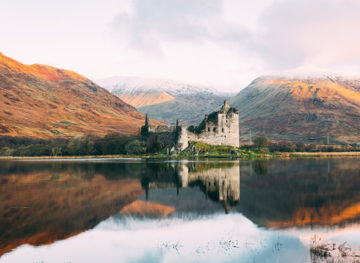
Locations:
111 210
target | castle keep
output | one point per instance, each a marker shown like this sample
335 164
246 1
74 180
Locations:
218 128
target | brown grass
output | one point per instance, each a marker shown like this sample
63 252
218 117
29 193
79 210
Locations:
45 102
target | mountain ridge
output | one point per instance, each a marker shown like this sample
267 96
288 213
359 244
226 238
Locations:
285 108
167 100
42 101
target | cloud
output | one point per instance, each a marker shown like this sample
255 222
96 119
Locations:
309 33
150 23
285 35
212 42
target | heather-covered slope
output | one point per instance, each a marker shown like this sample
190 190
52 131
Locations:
301 109
45 102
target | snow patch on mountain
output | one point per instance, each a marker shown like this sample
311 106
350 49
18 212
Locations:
135 85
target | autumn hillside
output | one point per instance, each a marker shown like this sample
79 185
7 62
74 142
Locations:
301 109
45 102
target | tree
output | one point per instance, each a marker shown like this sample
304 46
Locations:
82 145
135 147
261 142
56 151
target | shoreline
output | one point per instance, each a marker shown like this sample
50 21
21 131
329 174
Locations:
276 155
319 154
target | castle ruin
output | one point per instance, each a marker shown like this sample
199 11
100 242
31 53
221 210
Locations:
218 128
220 183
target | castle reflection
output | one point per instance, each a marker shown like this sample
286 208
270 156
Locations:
42 202
220 183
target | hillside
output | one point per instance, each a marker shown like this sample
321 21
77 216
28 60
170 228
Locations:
140 99
301 109
166 100
44 102
65 200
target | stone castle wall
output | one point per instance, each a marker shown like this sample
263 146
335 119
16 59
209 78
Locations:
161 129
182 141
218 128
223 132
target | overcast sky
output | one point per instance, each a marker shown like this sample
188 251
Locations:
221 43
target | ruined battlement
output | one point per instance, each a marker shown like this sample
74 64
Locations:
161 128
218 128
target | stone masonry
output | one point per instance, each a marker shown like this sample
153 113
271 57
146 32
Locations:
218 128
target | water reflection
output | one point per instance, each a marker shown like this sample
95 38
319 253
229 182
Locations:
42 202
302 193
260 167
220 183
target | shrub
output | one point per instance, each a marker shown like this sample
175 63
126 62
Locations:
261 142
135 147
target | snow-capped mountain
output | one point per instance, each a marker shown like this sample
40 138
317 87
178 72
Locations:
166 100
130 85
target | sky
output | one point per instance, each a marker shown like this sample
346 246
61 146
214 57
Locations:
219 43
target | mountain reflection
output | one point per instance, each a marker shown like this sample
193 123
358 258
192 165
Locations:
306 192
42 202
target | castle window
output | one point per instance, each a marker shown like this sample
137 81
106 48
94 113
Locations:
222 129
208 129
214 130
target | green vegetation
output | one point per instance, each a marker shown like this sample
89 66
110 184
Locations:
67 123
56 132
118 144
285 146
261 142
112 144
218 151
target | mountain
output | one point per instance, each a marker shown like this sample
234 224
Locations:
63 200
166 100
301 108
44 102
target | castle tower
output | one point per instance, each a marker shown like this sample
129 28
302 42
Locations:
226 106
181 138
145 128
146 120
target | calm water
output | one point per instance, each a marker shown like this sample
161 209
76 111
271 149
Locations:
168 211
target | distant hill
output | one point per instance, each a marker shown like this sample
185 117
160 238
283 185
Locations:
166 100
301 109
44 102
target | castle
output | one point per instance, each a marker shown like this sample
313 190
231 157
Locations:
218 128
219 183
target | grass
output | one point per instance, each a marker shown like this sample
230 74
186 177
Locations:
218 151
56 132
67 123
316 154
69 157
324 252
202 150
